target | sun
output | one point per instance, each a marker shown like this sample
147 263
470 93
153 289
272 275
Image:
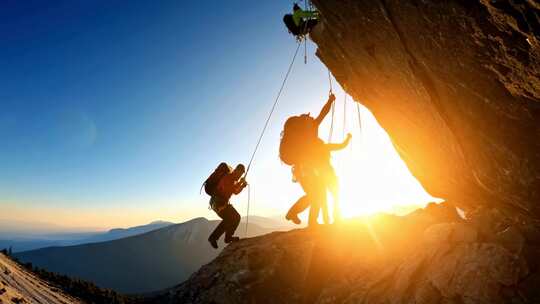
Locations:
373 178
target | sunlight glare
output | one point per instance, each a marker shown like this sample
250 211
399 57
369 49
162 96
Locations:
373 177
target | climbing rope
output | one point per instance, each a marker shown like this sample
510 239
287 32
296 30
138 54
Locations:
305 50
330 80
247 211
359 118
344 116
333 111
272 109
333 108
266 126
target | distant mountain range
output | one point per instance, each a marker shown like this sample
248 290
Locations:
22 243
141 263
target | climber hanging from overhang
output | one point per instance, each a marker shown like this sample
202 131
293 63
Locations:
301 22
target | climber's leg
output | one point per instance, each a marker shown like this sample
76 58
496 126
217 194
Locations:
298 207
317 198
232 218
218 231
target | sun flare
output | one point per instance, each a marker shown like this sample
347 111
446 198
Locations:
373 177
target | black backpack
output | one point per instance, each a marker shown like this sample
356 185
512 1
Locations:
211 183
298 135
291 26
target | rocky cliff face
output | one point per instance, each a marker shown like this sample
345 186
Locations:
456 84
429 256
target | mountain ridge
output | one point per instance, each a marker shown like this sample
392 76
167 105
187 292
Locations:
165 256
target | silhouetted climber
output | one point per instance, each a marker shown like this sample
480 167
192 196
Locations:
221 185
301 22
309 156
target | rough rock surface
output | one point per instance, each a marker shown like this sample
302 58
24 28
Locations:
456 84
429 256
17 285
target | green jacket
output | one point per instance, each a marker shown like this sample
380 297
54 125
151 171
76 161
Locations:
300 14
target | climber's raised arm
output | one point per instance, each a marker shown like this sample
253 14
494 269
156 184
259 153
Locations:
341 146
326 108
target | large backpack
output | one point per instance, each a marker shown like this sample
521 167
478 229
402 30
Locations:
211 183
291 26
299 132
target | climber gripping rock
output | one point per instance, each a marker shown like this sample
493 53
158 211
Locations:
301 22
221 185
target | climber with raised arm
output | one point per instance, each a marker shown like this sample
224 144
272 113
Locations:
309 157
301 22
221 185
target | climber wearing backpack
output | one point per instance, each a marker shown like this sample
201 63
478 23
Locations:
301 22
221 185
301 148
300 134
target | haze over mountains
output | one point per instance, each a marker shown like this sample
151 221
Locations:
24 239
144 262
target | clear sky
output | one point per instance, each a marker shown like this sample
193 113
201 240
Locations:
114 112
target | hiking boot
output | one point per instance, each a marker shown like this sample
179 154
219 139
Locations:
232 239
213 243
294 218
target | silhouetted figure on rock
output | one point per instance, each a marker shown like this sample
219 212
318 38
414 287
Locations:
309 156
301 22
221 185
316 181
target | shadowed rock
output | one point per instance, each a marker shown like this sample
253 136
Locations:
429 256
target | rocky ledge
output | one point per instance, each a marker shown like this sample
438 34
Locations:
429 256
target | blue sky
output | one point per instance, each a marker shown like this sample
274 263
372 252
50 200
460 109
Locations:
111 107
